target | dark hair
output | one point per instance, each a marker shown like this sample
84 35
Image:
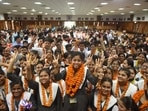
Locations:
106 79
129 103
126 70
17 81
77 53
45 70
36 53
1 71
130 62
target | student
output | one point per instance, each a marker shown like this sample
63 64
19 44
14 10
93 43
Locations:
47 93
122 87
127 104
103 100
75 77
17 96
141 97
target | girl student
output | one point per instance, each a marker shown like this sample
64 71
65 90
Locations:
47 93
75 76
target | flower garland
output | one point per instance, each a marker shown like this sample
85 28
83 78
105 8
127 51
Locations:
137 96
117 90
13 104
115 75
6 86
99 103
73 81
49 101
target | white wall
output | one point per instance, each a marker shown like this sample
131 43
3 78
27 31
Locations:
1 17
78 17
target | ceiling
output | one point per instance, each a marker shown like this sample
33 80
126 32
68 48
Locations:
80 7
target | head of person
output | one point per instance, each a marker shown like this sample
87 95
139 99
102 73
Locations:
91 64
44 76
77 59
132 73
108 72
127 104
123 75
38 67
17 88
141 57
34 54
145 70
128 63
106 86
115 64
99 72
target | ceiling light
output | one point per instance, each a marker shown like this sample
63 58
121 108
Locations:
14 10
102 14
72 8
0 0
33 10
24 12
96 8
23 8
137 4
92 11
40 12
31 13
104 3
70 3
6 3
121 9
46 13
145 9
53 10
122 13
106 13
112 11
131 12
47 8
8 12
37 3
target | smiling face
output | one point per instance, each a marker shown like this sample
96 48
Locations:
17 90
76 62
44 77
122 77
105 88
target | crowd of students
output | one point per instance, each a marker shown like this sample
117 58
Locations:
73 70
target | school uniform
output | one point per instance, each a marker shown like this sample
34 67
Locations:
56 104
79 102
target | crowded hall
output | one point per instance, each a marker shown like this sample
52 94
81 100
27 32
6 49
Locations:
74 55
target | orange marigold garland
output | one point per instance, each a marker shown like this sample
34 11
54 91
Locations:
6 86
74 80
49 101
105 105
117 90
13 104
137 96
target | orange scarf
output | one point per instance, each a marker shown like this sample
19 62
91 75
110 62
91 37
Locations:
6 86
117 90
49 101
137 96
74 80
13 103
99 103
